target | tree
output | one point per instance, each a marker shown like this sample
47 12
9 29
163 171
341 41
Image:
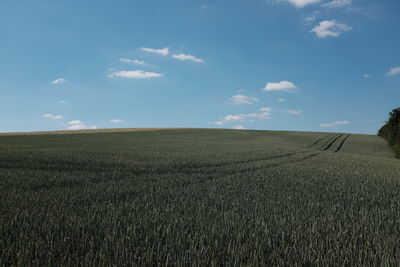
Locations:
391 130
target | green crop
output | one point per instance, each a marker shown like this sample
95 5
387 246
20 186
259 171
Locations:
199 198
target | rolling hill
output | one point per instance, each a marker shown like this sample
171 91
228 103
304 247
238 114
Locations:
206 197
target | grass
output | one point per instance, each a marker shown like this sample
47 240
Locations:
198 197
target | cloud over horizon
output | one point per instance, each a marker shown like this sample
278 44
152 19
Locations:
78 125
238 127
264 113
334 124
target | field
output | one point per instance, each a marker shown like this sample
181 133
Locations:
198 197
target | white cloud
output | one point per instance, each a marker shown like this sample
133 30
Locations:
394 71
52 116
242 99
335 123
132 61
264 113
62 102
338 3
162 51
238 127
294 112
302 3
281 86
330 28
116 121
281 99
366 75
134 74
78 125
187 57
233 118
59 81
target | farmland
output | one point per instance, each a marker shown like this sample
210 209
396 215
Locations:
198 197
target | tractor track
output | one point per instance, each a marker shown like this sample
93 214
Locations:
327 142
272 165
227 164
319 140
242 166
342 143
268 163
330 144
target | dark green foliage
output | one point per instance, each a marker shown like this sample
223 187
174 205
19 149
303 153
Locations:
391 130
198 198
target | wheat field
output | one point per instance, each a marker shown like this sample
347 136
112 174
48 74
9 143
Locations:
198 197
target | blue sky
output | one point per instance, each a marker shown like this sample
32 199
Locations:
303 65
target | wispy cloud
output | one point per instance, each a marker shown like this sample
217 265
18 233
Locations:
285 86
242 99
132 61
310 18
294 112
264 113
366 75
369 11
217 122
334 124
134 74
52 116
78 125
266 110
116 121
330 28
301 3
394 71
187 57
59 81
161 52
338 3
238 127
281 99
62 102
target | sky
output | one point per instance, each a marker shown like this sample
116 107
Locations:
299 65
